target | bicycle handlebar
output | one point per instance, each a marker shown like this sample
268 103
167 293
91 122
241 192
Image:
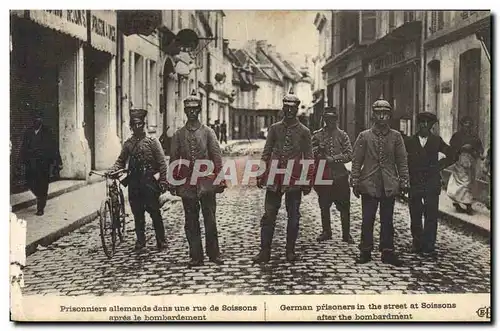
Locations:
106 174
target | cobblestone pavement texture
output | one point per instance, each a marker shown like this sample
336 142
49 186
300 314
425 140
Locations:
76 264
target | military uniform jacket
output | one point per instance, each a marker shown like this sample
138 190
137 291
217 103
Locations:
331 143
287 142
379 165
191 144
145 158
423 163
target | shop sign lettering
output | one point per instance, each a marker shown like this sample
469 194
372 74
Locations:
103 28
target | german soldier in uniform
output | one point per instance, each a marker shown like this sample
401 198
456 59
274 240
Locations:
196 141
379 174
332 145
425 181
288 140
145 159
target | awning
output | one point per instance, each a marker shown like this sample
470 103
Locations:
68 21
142 22
103 30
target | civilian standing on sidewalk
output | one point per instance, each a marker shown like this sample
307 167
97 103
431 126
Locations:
332 145
195 141
39 151
425 182
379 174
223 132
145 159
288 140
467 149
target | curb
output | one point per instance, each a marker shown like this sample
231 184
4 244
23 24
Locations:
50 238
465 226
459 223
57 234
32 202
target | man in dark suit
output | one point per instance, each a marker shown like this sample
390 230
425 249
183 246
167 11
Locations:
38 152
425 182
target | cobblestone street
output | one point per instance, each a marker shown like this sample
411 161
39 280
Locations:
76 264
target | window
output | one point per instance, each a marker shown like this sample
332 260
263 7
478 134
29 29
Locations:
437 21
409 16
179 19
368 25
392 20
216 31
192 22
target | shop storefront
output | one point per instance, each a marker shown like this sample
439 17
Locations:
346 91
45 53
395 76
100 86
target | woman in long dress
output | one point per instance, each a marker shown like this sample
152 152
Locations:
468 148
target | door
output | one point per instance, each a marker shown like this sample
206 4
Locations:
343 106
469 85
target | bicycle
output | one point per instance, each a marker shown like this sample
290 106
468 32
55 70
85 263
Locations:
114 207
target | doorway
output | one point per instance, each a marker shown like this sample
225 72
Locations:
469 88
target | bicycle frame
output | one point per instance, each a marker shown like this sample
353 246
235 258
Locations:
112 188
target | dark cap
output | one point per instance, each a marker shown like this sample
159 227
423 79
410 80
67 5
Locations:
331 111
138 113
427 116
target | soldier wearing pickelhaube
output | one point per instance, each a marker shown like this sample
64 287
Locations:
379 174
332 146
287 140
145 158
196 141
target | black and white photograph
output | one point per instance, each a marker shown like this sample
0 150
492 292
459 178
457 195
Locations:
250 165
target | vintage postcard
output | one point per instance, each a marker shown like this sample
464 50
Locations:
223 165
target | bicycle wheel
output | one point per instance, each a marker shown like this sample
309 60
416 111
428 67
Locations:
106 228
122 220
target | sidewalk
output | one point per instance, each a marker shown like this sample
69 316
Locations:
479 222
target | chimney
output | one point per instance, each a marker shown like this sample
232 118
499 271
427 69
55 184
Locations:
262 44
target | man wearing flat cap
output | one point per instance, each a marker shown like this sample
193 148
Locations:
332 146
425 182
145 158
379 174
191 143
288 142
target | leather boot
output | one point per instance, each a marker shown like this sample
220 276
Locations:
290 252
364 257
345 219
324 236
389 257
263 256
